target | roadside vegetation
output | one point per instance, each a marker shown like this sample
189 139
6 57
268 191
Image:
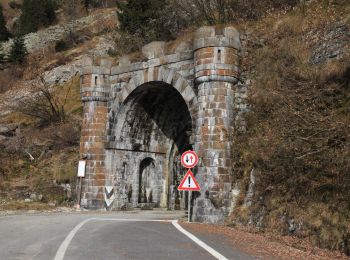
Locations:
297 143
154 20
38 162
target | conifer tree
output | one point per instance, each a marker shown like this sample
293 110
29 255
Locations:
18 50
2 55
86 3
4 33
36 14
144 18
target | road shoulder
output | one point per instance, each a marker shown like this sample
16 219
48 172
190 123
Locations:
258 245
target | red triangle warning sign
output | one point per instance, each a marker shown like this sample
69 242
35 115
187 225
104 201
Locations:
189 183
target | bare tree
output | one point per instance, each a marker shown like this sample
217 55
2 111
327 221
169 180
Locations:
211 11
225 11
44 103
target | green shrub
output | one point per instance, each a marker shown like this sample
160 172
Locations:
4 33
61 46
18 50
145 19
2 55
36 14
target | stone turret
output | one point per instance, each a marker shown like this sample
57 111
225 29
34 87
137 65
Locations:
95 96
216 54
216 60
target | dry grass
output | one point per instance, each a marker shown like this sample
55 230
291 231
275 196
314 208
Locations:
268 245
298 135
21 205
55 149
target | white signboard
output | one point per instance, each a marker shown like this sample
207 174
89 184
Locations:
81 168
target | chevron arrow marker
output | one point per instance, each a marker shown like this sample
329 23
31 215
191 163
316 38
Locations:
109 190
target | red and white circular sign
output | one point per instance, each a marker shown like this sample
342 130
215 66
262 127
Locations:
189 159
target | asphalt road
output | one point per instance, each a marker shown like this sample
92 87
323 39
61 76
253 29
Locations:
118 235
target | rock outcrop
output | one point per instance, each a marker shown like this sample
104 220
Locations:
93 24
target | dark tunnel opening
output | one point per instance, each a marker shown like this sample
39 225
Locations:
151 130
156 109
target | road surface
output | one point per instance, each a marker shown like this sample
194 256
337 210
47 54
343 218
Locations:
117 235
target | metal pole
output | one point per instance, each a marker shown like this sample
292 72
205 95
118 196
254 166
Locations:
79 193
189 206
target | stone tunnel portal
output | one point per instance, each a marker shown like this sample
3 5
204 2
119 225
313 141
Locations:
139 116
151 129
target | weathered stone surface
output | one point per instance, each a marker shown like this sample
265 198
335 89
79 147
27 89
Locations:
140 117
41 39
329 43
62 74
124 61
8 129
153 50
2 138
183 47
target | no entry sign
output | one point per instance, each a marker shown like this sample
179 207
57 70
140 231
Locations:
189 159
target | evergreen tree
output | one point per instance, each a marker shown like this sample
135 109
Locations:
18 50
36 14
2 55
87 3
4 33
144 18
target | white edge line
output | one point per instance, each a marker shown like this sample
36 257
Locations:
199 242
64 246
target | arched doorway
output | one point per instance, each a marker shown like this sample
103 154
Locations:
147 181
152 127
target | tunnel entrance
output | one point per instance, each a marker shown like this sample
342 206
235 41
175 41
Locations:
152 128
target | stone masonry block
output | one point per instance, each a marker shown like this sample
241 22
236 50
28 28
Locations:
153 50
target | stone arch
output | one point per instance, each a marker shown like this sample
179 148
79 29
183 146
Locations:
142 124
161 74
151 75
173 99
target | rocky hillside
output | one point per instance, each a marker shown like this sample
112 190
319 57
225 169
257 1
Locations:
293 160
38 155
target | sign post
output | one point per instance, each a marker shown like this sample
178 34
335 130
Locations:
189 183
189 206
81 175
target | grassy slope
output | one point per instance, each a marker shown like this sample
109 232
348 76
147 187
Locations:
19 176
298 130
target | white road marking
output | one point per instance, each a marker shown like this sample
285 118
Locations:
132 219
199 242
64 246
